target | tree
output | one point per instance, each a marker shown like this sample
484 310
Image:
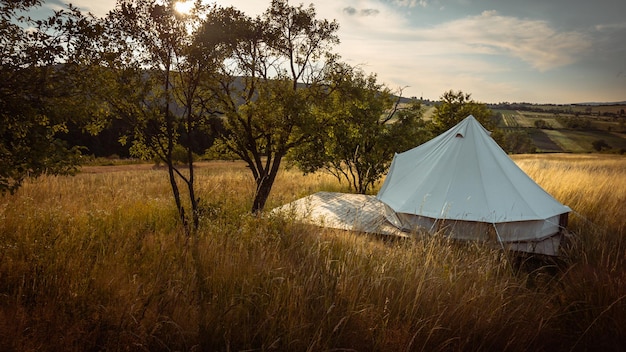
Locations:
152 57
454 107
514 142
542 124
40 93
368 125
161 63
269 86
600 145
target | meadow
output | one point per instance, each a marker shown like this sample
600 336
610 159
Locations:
557 137
98 261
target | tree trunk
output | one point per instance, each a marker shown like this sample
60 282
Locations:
264 186
192 191
264 183
177 199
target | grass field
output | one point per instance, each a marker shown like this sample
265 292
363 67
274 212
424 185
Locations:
564 141
99 262
544 143
558 138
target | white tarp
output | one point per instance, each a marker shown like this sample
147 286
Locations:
343 211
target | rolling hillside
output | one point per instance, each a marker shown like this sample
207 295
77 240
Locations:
575 129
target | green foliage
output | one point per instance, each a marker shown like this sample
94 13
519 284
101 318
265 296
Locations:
269 86
156 76
542 124
454 107
575 122
366 126
515 141
39 91
159 68
600 145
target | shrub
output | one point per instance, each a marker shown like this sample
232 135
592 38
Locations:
600 145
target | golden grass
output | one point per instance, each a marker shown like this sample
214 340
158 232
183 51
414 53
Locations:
98 261
595 188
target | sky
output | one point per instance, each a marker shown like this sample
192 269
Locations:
536 51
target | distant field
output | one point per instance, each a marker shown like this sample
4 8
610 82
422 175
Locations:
585 138
531 117
564 141
558 138
544 143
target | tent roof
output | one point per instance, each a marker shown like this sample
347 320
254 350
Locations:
463 174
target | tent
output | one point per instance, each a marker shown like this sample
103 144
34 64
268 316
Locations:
462 183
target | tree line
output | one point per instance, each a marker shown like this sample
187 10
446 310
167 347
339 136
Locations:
163 85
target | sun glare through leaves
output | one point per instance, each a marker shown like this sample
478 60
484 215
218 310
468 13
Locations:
184 7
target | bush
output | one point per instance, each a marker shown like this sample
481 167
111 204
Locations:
542 124
575 123
600 145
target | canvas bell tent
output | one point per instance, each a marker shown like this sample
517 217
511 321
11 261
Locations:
464 184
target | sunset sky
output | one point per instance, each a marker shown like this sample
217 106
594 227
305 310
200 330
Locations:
538 51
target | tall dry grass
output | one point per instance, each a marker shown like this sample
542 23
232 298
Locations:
98 262
595 188
592 290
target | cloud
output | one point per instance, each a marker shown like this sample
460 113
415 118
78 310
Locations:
532 41
351 11
497 56
98 8
411 3
369 12
611 27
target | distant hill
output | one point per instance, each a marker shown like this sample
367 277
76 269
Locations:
600 104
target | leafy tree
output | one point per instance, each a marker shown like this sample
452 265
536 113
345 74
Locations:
40 93
542 124
514 142
454 107
368 125
269 85
160 63
151 57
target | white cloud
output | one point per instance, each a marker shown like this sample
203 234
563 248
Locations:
532 41
98 8
494 56
411 3
611 27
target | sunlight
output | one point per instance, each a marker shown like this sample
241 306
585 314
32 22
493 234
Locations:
184 7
